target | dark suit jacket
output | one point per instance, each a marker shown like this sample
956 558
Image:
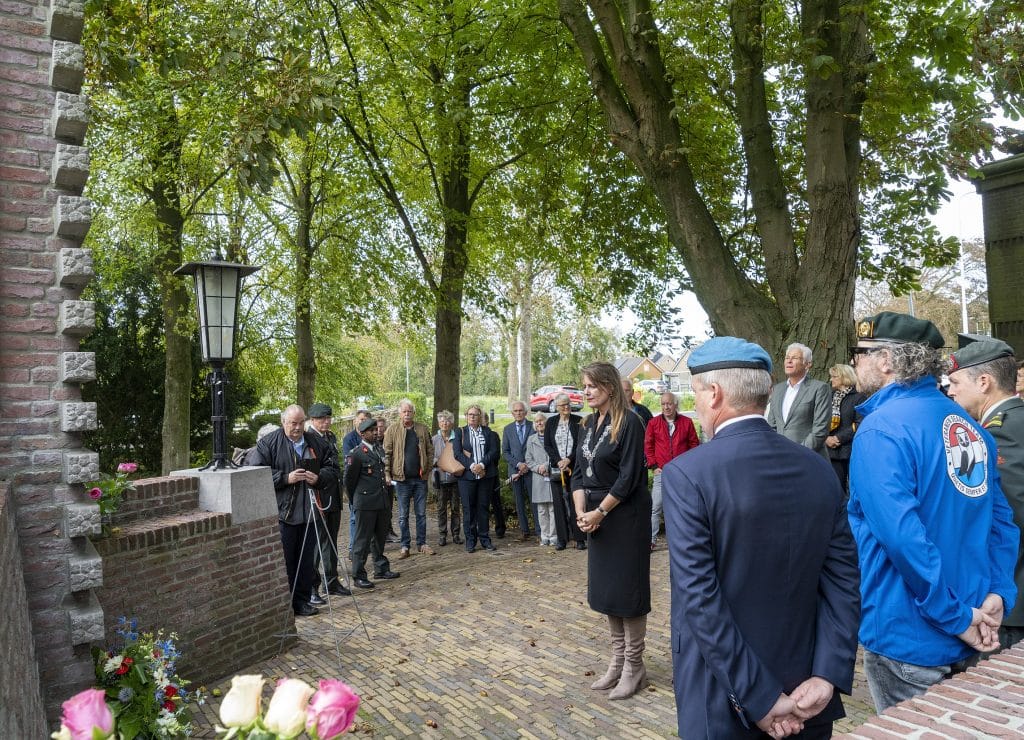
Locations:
275 450
1007 428
463 451
848 416
809 416
765 585
552 449
514 452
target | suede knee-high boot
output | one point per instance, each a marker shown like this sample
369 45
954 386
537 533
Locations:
611 678
634 672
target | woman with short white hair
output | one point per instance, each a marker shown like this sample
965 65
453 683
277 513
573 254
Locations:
540 467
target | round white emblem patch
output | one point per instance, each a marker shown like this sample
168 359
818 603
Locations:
966 456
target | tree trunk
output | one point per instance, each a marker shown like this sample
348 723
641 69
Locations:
305 369
525 342
176 306
512 340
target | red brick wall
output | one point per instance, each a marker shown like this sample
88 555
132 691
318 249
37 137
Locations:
221 587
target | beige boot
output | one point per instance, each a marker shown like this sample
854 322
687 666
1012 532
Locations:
634 672
611 678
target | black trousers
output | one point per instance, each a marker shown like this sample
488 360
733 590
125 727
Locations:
299 546
448 500
497 509
565 515
327 551
475 494
372 526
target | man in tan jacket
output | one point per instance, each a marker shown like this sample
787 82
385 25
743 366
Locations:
408 458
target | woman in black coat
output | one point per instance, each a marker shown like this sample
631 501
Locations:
560 440
839 441
613 506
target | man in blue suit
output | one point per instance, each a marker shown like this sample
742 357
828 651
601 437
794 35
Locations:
765 601
513 449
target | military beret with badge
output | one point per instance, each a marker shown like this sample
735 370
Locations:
978 352
899 328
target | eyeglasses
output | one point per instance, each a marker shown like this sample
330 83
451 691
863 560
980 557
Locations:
561 405
856 352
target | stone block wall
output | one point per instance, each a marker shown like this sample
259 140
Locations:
43 218
21 706
221 587
1002 190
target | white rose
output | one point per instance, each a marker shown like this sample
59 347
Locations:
286 715
241 705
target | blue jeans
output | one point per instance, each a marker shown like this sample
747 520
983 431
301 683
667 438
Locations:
892 681
415 488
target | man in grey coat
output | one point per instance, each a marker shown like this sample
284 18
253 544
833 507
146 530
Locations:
801 407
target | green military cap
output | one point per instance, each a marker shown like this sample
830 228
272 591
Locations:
979 352
368 424
899 328
320 410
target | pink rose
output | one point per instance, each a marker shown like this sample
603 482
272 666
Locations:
95 493
86 711
127 467
332 710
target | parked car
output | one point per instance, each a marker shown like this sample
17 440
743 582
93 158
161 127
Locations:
543 399
652 386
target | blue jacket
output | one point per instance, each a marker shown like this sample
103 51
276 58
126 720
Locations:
933 529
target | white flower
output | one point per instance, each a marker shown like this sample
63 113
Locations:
241 705
113 664
286 715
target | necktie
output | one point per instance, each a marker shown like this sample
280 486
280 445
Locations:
520 428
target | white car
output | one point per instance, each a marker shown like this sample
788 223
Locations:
652 386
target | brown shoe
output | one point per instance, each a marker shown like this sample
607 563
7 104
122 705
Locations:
426 550
403 553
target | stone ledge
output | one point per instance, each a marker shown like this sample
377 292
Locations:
81 466
67 66
78 367
66 19
81 520
86 619
70 117
77 318
77 416
73 215
85 566
75 268
70 167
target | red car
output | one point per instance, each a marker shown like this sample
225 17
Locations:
543 399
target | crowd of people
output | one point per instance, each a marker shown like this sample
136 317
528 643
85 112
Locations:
884 511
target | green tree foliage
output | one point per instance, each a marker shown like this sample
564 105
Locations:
789 143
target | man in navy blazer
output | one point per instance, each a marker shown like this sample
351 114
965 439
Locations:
765 586
513 449
478 452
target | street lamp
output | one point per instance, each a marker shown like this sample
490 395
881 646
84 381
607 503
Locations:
218 284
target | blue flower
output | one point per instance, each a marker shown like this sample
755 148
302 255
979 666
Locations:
125 695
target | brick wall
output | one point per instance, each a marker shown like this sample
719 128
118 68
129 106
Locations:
43 219
221 587
21 707
986 701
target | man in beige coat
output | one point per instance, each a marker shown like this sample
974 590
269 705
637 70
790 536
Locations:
408 459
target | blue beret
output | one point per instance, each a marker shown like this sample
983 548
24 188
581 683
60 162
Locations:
725 352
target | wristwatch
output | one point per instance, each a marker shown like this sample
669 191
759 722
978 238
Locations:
604 513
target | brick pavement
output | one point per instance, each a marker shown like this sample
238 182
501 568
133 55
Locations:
495 645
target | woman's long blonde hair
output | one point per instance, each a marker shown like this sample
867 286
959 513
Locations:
606 376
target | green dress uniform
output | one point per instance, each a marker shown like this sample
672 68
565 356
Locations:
364 482
1006 426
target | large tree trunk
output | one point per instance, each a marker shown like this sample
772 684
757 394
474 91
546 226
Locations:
806 297
525 342
511 334
176 306
305 369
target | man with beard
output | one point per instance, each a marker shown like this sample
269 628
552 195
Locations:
936 538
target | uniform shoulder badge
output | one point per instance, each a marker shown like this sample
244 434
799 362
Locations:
966 456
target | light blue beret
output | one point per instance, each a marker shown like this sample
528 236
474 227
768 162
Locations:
725 352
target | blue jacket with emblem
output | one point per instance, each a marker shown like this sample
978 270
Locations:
934 532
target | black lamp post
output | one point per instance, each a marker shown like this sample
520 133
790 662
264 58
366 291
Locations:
218 285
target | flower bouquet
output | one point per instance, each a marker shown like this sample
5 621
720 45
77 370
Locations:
325 713
108 490
138 693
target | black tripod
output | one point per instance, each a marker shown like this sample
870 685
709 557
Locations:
343 573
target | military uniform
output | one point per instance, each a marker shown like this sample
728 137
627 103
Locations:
1006 425
364 482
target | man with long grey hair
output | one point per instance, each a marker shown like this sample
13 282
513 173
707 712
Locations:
935 535
764 572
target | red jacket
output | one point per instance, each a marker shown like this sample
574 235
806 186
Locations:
659 449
